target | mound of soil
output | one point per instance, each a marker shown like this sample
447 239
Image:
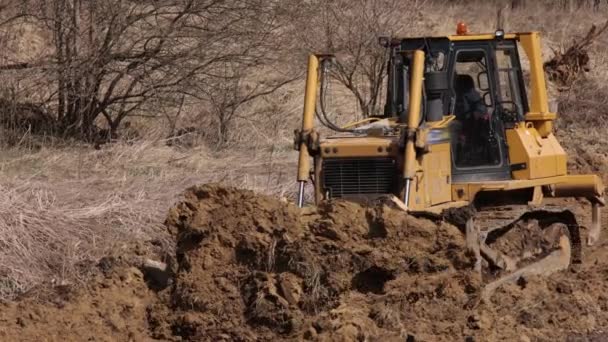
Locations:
250 267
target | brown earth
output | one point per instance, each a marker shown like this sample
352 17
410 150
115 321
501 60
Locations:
250 267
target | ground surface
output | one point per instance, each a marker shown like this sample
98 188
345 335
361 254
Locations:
250 267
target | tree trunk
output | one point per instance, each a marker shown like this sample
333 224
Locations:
515 4
223 133
60 56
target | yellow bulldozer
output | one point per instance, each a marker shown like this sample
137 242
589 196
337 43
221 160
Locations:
464 136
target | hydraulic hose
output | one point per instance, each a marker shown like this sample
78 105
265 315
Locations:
322 116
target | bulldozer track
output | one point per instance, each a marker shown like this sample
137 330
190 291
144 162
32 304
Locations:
515 241
495 222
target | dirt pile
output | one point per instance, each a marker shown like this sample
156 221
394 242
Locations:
249 267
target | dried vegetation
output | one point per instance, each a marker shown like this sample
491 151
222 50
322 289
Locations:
568 65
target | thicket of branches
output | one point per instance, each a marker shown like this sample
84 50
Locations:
115 58
570 5
349 29
105 61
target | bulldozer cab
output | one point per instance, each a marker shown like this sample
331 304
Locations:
483 87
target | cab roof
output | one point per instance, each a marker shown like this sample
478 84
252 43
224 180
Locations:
471 36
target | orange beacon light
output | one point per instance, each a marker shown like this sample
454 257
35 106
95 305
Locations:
461 28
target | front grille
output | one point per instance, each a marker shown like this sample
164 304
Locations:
358 176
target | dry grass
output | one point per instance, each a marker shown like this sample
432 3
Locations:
60 209
47 239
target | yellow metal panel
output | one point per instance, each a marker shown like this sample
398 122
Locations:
518 152
431 184
482 36
540 116
437 171
418 194
359 147
472 36
579 186
543 157
539 105
588 186
538 90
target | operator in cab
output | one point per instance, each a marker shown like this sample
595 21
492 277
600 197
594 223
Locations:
471 118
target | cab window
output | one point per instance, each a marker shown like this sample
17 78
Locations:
473 131
510 101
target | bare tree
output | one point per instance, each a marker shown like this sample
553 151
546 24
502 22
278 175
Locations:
114 58
350 30
226 94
